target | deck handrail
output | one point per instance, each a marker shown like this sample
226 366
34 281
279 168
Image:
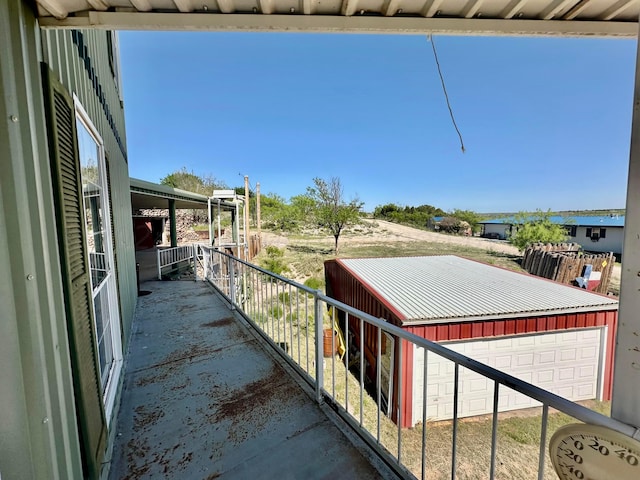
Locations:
173 255
231 276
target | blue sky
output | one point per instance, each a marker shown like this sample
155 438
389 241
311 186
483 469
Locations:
546 122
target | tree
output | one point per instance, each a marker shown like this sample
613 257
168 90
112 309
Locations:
276 213
331 211
469 216
302 208
454 225
537 227
189 181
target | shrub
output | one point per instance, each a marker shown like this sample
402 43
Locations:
314 282
284 297
276 311
274 262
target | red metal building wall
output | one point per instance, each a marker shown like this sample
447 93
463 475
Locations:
345 286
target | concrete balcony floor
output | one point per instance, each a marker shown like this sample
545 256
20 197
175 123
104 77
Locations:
203 398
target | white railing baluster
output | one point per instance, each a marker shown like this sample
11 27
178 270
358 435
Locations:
454 433
333 352
361 370
424 415
494 430
399 400
317 324
543 440
378 381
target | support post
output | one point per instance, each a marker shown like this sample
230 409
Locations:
317 319
258 220
232 283
210 221
246 217
158 264
172 220
195 261
625 396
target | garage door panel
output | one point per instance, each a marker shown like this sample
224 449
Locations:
588 352
544 376
524 359
548 356
528 341
565 363
503 361
568 354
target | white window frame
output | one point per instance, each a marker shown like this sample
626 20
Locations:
109 282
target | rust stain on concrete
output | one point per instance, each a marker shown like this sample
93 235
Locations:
220 323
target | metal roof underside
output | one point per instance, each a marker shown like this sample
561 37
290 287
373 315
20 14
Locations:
442 288
147 195
444 17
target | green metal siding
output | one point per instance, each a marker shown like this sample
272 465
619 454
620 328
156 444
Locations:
38 430
64 51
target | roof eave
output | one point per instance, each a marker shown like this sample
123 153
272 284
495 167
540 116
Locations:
508 316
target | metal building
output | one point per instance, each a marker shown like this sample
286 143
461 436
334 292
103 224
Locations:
555 336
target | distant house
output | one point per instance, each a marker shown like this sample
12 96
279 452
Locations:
434 223
594 233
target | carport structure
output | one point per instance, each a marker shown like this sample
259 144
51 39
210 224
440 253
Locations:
38 372
148 195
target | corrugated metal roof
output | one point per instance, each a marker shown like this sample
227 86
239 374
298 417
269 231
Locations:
578 220
461 17
437 288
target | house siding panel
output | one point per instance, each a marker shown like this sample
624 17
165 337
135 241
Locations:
79 59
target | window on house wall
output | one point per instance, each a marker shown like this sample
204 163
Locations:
114 59
596 233
101 259
571 230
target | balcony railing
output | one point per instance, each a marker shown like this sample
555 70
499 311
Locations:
167 257
293 319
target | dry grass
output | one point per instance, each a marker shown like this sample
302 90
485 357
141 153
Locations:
286 315
305 257
518 433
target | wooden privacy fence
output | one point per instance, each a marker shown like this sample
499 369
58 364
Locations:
254 246
564 262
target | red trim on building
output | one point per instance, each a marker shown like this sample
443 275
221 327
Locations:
349 288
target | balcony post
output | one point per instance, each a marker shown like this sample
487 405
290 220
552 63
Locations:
172 223
317 319
232 283
625 396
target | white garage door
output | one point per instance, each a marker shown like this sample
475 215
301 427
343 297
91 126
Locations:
566 363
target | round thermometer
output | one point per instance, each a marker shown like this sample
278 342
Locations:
592 452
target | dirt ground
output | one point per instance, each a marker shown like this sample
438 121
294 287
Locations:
373 232
380 231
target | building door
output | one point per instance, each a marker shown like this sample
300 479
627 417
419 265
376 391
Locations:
97 222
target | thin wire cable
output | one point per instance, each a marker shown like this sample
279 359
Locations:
446 96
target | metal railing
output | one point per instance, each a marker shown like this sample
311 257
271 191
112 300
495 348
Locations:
168 257
364 388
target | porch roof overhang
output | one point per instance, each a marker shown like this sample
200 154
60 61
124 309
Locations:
600 18
148 195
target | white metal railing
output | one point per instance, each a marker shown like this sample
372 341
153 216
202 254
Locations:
292 318
167 257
